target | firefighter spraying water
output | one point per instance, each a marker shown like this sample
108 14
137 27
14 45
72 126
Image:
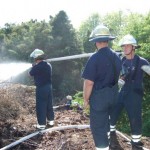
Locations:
42 73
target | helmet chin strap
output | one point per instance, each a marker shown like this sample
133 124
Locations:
95 46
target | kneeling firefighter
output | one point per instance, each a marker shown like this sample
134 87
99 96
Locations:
100 87
42 73
131 94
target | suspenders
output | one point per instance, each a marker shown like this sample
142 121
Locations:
136 67
132 76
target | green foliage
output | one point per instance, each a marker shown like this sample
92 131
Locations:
146 123
123 123
78 97
114 22
146 106
12 53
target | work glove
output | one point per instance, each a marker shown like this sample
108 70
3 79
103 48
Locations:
121 83
146 68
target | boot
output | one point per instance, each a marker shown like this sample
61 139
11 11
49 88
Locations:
50 123
40 127
114 144
137 145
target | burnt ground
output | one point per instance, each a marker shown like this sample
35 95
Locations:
17 117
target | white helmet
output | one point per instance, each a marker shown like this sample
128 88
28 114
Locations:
36 53
101 33
128 39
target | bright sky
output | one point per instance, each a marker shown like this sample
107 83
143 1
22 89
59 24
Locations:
17 11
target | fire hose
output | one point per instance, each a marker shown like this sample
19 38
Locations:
56 129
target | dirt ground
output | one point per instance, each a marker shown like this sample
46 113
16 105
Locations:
17 117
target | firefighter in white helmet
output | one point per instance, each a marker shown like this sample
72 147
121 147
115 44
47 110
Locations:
42 72
100 87
131 94
37 53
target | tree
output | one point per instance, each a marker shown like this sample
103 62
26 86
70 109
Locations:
64 43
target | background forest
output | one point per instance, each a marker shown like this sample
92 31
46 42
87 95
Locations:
58 38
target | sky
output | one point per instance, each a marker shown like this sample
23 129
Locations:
17 11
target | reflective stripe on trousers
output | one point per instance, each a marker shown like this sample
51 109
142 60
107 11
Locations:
136 138
112 128
106 148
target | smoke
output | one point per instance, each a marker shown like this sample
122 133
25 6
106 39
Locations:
10 70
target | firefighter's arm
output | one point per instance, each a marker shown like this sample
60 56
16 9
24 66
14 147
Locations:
87 89
146 68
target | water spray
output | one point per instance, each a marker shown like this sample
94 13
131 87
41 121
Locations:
10 70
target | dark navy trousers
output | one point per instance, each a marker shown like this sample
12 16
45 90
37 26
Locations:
44 106
130 98
101 105
99 123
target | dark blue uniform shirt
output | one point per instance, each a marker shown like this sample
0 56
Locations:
100 68
42 73
131 65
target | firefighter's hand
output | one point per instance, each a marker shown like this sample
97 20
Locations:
33 64
86 104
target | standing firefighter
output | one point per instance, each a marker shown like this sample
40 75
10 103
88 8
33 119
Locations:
100 87
42 72
131 94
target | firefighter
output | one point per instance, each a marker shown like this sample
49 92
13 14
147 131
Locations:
42 72
100 87
131 94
